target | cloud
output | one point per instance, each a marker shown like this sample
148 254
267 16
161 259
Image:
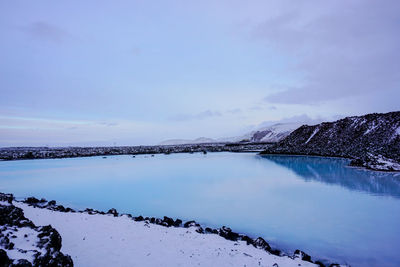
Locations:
234 111
108 124
346 48
45 31
199 116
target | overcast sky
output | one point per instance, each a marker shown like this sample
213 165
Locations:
139 72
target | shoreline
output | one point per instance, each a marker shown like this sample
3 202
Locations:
369 161
26 153
168 223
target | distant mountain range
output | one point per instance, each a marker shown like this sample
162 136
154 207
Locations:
269 134
372 140
200 140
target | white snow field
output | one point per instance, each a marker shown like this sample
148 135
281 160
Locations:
104 240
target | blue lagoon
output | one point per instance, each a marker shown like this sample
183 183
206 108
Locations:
318 205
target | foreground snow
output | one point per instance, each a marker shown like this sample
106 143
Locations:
104 240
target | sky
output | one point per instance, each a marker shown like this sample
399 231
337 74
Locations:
140 72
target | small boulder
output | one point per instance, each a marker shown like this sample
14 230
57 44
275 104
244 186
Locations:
261 243
190 224
248 240
302 255
168 221
31 200
227 233
139 218
178 223
113 212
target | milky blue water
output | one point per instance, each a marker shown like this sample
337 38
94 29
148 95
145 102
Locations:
315 204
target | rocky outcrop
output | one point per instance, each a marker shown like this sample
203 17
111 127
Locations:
24 244
372 140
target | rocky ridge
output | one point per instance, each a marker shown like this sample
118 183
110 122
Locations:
372 141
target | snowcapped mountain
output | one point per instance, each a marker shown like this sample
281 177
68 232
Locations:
274 133
268 134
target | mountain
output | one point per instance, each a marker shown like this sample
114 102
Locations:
200 140
372 140
268 134
274 133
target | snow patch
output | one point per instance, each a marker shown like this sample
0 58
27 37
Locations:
312 135
101 240
25 241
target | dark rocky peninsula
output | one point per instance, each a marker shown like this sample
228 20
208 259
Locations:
371 141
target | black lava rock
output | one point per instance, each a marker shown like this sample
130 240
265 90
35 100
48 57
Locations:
261 243
6 197
227 233
139 219
178 223
302 255
4 260
168 221
32 200
113 212
190 224
248 240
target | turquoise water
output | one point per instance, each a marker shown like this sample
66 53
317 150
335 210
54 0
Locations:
315 204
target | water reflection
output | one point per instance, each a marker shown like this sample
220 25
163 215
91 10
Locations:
332 171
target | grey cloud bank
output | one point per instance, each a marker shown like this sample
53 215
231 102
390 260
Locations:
142 73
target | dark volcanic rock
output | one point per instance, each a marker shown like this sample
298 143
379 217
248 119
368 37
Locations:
139 218
31 200
45 251
364 137
302 255
261 243
190 224
168 221
113 212
178 223
227 233
6 197
248 240
4 260
211 231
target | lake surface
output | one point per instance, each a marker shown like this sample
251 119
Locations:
318 205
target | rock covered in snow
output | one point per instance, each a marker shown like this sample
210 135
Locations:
274 133
352 137
376 162
24 244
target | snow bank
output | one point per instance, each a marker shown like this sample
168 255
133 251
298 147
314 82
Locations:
105 240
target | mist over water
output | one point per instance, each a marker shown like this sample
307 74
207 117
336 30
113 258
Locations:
318 205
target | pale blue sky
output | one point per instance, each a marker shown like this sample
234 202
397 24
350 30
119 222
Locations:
139 72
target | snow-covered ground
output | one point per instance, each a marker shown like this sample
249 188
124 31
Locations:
105 240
